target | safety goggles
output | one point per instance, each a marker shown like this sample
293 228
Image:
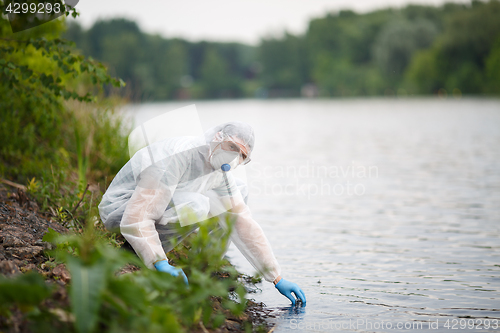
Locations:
229 144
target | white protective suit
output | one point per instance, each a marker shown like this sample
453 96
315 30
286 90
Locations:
145 199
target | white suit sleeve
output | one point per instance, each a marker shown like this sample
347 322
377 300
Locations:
250 239
147 204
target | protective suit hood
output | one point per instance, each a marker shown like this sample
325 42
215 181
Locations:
238 129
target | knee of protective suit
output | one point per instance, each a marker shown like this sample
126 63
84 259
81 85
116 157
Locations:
112 222
200 207
197 205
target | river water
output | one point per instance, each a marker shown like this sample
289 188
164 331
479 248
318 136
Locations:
385 211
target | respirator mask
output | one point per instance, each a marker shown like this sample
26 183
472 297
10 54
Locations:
225 150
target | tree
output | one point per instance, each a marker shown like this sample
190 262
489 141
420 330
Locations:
171 68
398 41
284 63
493 68
459 56
215 76
37 73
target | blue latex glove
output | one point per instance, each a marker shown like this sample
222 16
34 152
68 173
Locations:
287 288
164 266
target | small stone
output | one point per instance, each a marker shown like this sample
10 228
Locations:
45 245
9 268
24 252
34 206
61 272
28 267
232 325
63 315
11 241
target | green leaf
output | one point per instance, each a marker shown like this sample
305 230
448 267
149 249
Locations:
51 236
87 284
218 319
26 73
26 289
118 83
168 320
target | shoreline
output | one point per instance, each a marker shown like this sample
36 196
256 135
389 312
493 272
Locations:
22 227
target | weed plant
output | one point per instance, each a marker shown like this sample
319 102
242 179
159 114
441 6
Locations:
101 300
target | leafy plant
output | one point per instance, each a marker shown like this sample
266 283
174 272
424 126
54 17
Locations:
27 290
33 185
39 71
148 300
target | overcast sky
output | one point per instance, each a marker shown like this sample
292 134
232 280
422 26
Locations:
226 20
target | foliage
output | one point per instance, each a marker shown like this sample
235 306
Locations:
27 290
413 50
55 131
37 73
398 41
342 54
59 134
146 300
284 63
460 58
216 76
492 67
158 68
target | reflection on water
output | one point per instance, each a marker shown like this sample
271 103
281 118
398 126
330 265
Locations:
411 245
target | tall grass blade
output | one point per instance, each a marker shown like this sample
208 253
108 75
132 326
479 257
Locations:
87 284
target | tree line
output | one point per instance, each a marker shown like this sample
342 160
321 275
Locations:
450 50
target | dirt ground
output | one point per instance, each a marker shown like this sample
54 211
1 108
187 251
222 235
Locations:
22 227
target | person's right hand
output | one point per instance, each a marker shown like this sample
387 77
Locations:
286 288
164 266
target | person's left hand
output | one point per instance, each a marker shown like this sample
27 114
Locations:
286 288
